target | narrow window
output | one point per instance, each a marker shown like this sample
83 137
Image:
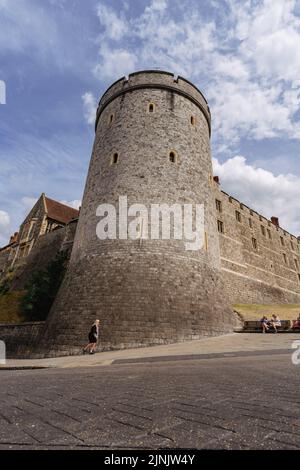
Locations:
115 158
250 223
151 108
192 120
238 216
298 277
220 226
284 258
254 243
296 264
218 205
282 241
31 230
111 118
269 234
263 230
172 157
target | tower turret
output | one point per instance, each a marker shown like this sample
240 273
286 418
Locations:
152 146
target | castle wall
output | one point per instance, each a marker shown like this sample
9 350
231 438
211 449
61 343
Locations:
262 271
20 339
4 257
155 291
143 291
44 251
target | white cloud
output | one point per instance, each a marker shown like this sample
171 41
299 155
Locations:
247 109
270 32
244 56
89 107
24 25
4 228
4 219
28 202
269 194
114 63
76 203
114 27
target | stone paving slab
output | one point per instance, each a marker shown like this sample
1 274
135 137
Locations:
232 402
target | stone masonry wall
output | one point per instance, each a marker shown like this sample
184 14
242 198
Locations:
4 256
44 251
20 339
143 291
266 270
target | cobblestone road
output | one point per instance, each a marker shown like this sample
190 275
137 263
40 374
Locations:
218 403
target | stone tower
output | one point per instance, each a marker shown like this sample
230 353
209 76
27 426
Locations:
152 145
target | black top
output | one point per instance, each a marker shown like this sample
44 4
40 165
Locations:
94 331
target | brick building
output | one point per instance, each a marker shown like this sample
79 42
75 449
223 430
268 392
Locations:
46 216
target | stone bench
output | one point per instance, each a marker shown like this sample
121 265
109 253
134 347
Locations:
255 326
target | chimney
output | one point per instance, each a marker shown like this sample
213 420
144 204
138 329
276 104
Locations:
14 237
275 221
217 179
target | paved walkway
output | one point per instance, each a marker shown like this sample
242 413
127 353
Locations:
217 403
232 344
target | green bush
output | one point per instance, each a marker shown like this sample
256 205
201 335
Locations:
10 307
42 288
4 286
5 282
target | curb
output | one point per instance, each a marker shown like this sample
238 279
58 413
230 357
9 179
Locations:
26 367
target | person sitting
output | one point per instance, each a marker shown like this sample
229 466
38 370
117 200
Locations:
264 324
275 322
296 323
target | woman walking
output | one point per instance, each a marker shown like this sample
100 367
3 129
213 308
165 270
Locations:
93 338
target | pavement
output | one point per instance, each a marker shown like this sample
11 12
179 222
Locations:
235 343
237 391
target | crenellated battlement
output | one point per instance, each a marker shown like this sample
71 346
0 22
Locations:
155 79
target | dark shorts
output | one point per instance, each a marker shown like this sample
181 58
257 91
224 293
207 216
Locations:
92 338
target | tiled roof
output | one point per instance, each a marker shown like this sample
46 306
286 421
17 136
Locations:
60 212
12 241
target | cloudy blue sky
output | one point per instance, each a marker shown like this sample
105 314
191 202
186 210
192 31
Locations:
58 56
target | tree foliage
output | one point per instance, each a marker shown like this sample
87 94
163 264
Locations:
42 288
5 282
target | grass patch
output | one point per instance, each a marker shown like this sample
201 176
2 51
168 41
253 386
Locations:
10 307
256 311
